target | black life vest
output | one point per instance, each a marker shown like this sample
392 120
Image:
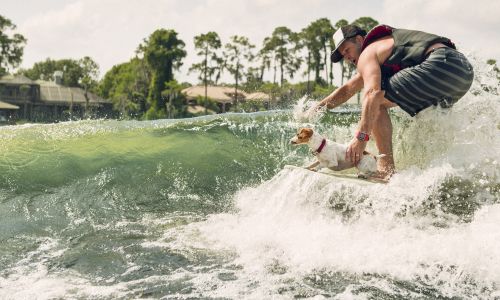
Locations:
409 46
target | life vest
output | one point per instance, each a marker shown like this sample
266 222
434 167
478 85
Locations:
409 46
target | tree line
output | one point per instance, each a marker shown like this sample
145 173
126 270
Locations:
145 87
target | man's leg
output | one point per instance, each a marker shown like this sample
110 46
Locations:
382 131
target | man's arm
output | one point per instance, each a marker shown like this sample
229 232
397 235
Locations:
369 70
343 93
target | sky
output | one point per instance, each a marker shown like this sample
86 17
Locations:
109 31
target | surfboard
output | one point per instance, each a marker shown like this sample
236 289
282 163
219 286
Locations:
347 178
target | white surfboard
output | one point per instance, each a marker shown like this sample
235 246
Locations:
347 178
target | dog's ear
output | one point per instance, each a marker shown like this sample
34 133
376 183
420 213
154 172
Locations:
308 132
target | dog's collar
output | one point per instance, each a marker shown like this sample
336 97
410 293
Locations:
318 151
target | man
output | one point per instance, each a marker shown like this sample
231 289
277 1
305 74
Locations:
397 67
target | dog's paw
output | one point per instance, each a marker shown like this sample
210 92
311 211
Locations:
362 176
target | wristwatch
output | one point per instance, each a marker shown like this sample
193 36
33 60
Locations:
362 136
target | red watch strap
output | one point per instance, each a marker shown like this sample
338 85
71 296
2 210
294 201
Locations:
362 136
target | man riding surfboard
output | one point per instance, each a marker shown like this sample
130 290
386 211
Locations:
397 67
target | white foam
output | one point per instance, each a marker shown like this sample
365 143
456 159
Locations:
305 110
293 225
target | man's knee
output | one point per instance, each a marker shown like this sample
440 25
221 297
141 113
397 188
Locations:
377 98
388 103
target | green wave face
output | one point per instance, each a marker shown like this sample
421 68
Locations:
161 166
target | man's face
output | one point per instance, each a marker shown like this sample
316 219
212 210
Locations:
351 49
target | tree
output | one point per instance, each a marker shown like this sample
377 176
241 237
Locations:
219 68
264 56
44 70
326 32
284 44
268 49
316 37
365 23
238 51
207 45
126 85
11 46
163 52
90 74
175 100
338 25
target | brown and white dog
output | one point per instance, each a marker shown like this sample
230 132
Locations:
332 155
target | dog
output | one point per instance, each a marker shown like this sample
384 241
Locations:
332 155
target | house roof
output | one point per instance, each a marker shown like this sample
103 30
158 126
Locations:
258 96
220 94
5 105
51 92
16 79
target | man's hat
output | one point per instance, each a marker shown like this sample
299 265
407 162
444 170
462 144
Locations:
341 35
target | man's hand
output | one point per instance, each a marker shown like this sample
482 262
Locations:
322 105
355 150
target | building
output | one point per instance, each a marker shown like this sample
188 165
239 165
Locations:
7 112
50 101
223 96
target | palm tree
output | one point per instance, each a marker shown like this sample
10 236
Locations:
238 51
207 45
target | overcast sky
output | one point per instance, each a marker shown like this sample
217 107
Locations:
109 31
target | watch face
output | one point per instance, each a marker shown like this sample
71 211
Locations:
362 136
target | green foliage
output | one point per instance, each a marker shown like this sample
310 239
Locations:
126 85
11 46
209 104
206 46
283 96
76 73
282 47
365 23
238 51
316 37
163 52
252 106
90 73
145 87
176 104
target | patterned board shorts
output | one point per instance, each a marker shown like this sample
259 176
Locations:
442 79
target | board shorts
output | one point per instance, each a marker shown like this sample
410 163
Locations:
441 79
